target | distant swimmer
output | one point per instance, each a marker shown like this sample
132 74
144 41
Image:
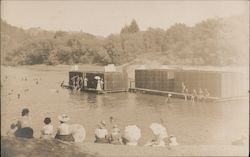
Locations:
18 95
168 99
62 83
111 119
11 92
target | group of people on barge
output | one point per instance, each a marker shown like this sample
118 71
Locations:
194 95
76 132
81 82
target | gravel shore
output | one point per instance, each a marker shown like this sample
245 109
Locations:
17 147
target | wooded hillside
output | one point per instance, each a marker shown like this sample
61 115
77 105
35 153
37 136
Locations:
210 42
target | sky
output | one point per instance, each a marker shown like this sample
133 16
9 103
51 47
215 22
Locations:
106 17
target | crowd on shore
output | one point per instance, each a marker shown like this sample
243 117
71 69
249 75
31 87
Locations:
76 132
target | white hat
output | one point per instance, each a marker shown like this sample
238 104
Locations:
63 118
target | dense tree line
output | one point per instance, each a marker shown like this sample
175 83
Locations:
210 42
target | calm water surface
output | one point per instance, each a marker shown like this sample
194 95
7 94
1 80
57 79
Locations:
198 123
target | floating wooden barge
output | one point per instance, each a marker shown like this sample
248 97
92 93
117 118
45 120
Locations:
220 84
112 81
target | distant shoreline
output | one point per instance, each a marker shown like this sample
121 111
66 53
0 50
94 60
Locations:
135 66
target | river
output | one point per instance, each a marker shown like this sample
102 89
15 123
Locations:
192 124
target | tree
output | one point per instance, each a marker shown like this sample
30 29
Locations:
132 28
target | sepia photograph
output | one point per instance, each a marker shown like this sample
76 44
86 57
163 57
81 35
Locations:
128 78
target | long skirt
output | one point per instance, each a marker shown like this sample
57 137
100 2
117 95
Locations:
68 138
26 132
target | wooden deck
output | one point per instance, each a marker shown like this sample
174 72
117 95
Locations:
167 92
181 95
92 90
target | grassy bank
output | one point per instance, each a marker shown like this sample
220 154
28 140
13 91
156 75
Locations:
13 147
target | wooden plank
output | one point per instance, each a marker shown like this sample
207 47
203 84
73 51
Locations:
166 92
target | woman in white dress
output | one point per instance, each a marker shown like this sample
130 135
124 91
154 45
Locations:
98 86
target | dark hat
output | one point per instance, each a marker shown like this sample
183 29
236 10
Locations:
25 111
47 120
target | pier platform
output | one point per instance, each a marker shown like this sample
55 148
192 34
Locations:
181 95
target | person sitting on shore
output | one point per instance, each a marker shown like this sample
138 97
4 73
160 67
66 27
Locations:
172 141
115 137
47 130
24 125
64 131
101 133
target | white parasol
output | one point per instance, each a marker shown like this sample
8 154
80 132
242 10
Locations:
132 133
97 77
78 132
159 129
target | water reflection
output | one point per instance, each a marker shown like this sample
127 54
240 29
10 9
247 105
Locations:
91 100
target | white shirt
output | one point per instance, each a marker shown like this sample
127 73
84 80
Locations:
85 81
64 129
25 122
48 129
101 133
